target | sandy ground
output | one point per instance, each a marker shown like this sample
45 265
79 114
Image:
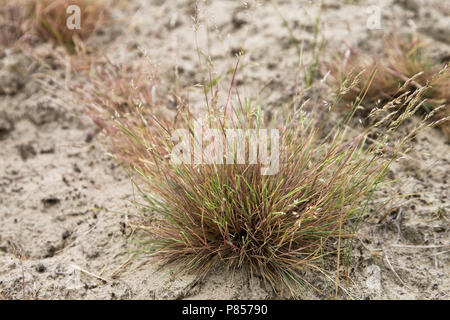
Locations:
63 200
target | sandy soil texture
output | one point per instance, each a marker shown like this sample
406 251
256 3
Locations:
63 199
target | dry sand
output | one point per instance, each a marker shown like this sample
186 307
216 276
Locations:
63 200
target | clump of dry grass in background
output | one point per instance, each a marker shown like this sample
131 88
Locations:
47 19
201 216
404 65
113 91
13 25
50 16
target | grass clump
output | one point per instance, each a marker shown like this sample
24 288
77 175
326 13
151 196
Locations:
214 210
50 20
404 65
13 25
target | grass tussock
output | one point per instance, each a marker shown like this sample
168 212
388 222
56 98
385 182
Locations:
13 25
50 20
213 211
26 20
404 65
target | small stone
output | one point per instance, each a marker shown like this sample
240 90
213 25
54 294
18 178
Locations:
50 202
6 126
9 83
91 252
438 228
373 280
66 234
13 73
89 137
239 19
26 151
42 111
47 148
40 268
